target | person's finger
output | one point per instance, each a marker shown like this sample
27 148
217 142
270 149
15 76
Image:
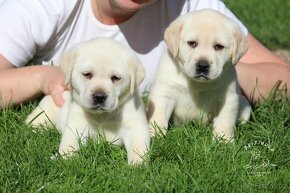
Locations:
58 99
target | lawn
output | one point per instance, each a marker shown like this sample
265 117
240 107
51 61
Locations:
267 20
186 160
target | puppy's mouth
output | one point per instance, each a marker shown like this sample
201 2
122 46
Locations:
98 108
201 77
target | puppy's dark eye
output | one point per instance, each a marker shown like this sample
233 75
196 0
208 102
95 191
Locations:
218 47
192 44
87 75
115 78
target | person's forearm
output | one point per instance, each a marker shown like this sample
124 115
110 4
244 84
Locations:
19 84
259 70
257 80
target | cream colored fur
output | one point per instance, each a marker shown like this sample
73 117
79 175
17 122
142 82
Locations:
103 102
203 40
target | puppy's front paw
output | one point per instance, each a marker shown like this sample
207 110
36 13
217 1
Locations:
134 158
137 154
156 131
68 149
224 136
66 153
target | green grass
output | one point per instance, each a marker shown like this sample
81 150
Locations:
267 20
186 160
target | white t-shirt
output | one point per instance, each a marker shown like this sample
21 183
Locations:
41 30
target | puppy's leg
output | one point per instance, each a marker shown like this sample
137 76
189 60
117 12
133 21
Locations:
70 140
245 109
75 130
159 112
44 114
137 141
224 123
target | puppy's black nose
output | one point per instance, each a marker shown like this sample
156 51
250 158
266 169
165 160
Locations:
202 67
99 97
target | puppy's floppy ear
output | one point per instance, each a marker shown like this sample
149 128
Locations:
171 36
137 73
67 63
239 45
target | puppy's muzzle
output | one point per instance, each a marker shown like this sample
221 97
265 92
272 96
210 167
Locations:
99 98
202 69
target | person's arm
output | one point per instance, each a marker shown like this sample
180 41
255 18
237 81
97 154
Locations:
22 84
259 70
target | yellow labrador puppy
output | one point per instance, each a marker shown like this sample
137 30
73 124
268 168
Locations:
103 76
196 78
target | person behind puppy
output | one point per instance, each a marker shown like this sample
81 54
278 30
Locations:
40 31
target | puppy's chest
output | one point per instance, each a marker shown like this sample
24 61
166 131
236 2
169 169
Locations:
108 122
108 127
195 107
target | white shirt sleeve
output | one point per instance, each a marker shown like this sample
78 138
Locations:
26 26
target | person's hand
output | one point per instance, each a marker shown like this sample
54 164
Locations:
51 82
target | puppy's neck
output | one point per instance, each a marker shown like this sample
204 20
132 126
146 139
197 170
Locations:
104 120
227 77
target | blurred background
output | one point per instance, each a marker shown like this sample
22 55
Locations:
267 20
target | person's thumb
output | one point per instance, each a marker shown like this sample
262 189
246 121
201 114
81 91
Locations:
58 99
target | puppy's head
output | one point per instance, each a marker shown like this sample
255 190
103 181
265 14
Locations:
102 74
204 43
